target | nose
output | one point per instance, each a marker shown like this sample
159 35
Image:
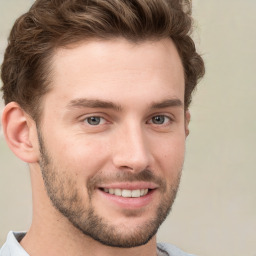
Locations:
131 149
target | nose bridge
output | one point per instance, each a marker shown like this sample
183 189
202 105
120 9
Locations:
131 149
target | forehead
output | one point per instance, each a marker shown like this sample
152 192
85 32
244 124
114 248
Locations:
94 68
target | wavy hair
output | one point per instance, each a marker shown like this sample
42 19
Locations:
50 24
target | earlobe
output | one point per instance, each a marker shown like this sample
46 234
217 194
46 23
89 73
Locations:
19 132
187 120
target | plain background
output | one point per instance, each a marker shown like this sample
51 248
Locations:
215 211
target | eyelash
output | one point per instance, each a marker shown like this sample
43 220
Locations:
167 120
95 117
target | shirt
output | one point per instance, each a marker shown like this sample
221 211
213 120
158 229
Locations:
12 247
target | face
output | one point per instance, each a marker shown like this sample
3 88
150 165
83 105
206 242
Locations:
112 137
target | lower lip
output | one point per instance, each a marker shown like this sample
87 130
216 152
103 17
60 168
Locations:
129 202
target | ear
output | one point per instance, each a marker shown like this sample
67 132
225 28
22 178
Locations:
20 133
187 120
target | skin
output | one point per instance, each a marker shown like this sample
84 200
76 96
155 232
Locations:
143 82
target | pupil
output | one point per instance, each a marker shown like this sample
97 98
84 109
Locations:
158 119
94 120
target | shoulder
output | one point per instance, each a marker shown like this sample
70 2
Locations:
171 250
12 247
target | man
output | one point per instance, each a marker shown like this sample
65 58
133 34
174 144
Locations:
97 95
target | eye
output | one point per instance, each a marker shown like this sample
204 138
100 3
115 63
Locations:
160 119
94 120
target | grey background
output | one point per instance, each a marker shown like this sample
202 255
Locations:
215 212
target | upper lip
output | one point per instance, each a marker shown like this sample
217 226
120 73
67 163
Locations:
130 185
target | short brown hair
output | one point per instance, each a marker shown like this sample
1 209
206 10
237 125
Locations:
50 24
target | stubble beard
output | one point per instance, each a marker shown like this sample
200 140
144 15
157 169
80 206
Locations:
63 192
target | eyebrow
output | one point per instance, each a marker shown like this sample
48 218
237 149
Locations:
167 103
93 103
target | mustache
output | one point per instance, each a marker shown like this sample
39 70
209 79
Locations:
125 176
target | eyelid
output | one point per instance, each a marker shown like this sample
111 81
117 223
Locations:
169 116
102 120
91 114
82 118
166 121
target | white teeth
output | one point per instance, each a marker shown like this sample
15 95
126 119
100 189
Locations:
136 193
126 192
118 192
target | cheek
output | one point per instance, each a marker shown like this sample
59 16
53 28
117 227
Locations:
83 157
169 156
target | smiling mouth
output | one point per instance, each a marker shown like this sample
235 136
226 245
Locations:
126 192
